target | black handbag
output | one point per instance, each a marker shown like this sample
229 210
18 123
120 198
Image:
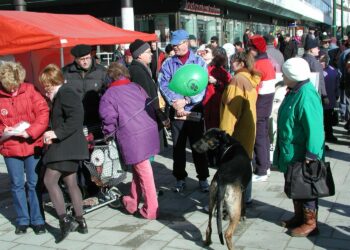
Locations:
309 181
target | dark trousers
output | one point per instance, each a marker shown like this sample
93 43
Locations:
328 121
262 140
181 130
309 204
262 146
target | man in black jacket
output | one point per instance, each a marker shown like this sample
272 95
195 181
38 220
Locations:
311 50
141 74
290 48
89 79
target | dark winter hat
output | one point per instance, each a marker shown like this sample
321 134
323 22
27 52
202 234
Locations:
259 43
80 50
192 37
269 39
310 43
214 38
326 39
138 47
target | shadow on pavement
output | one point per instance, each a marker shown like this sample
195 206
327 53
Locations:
337 155
273 214
176 208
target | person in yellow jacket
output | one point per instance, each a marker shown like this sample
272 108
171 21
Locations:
238 105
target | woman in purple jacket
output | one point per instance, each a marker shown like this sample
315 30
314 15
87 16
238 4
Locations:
127 115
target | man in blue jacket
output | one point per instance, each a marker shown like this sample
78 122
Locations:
182 126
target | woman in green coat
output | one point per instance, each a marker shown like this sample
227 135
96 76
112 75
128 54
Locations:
300 137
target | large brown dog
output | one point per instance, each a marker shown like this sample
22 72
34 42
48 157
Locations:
229 182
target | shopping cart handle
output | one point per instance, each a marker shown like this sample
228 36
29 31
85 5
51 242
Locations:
97 141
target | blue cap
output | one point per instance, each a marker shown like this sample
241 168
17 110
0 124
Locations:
178 36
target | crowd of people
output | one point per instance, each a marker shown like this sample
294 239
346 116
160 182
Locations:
131 102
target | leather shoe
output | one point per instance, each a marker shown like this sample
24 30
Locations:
82 228
39 229
21 229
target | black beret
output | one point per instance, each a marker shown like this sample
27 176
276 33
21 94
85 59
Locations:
80 50
310 43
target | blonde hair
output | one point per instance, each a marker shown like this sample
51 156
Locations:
12 74
117 70
51 76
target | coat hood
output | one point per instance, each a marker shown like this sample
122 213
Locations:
254 79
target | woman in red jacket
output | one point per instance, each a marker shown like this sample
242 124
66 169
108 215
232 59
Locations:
218 80
24 116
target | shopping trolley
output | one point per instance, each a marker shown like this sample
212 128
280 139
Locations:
107 171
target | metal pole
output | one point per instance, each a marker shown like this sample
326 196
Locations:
20 5
127 14
342 18
62 57
334 26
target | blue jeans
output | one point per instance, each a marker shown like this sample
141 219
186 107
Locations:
16 168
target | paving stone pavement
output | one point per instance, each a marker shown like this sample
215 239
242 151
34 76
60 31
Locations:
183 221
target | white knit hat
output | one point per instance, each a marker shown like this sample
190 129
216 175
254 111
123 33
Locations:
296 69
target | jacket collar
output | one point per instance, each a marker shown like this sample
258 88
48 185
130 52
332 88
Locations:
261 56
120 82
191 58
298 86
76 68
21 90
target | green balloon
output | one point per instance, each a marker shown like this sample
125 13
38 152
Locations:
189 80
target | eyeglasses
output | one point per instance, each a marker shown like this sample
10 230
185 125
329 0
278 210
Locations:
87 58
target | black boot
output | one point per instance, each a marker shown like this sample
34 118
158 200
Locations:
67 225
82 226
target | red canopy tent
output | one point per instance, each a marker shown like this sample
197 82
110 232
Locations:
37 39
27 31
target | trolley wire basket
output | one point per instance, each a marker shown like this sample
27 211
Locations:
106 166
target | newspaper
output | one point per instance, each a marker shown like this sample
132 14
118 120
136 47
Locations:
17 129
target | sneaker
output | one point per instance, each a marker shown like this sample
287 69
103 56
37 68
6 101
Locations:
204 186
180 186
259 178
